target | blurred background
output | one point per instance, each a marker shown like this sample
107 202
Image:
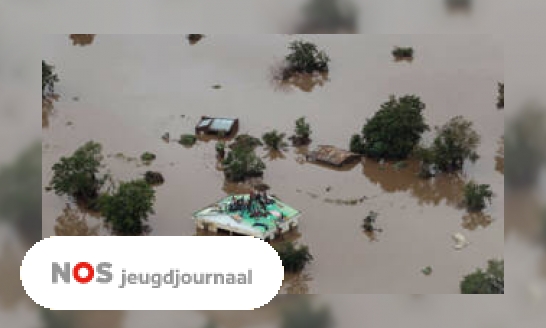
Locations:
518 23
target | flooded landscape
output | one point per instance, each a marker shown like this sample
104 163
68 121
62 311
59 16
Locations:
126 92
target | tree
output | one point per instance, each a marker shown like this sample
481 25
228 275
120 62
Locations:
128 208
476 195
302 132
294 259
49 78
76 176
306 58
188 140
274 140
394 131
490 281
241 163
455 142
400 53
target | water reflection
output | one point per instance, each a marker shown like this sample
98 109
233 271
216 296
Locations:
47 109
473 221
82 39
499 159
446 188
72 222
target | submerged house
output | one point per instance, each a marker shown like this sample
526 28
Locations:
217 126
266 219
331 155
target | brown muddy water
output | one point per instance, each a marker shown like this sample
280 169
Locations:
127 91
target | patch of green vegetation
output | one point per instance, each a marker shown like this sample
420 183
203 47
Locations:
242 163
187 140
476 196
274 140
303 315
246 141
153 178
490 281
427 271
294 259
403 53
304 57
147 158
400 165
220 150
76 176
128 208
455 142
394 131
302 132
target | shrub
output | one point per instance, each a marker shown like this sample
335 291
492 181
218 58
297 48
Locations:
394 131
476 195
402 53
49 78
302 132
500 97
76 176
153 178
242 163
246 141
306 58
490 281
128 208
294 259
274 140
188 140
455 142
220 149
147 157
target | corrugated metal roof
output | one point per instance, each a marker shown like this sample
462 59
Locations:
222 124
331 154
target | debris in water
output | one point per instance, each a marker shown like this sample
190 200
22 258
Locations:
217 86
166 137
369 222
460 241
194 38
427 271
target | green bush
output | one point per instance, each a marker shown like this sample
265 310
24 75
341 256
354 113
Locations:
128 208
188 140
394 131
76 176
241 163
147 157
302 132
500 98
490 281
246 141
153 178
455 142
274 140
402 53
220 149
49 78
476 196
294 259
304 57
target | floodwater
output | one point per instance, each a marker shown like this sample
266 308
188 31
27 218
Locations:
127 91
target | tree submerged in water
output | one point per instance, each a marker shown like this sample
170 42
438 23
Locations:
274 140
49 78
294 259
401 53
394 131
490 281
455 142
329 16
242 163
304 315
127 209
476 196
302 133
76 176
304 57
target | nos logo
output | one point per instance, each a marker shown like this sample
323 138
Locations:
82 272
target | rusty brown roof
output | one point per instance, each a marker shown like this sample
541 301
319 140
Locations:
331 155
